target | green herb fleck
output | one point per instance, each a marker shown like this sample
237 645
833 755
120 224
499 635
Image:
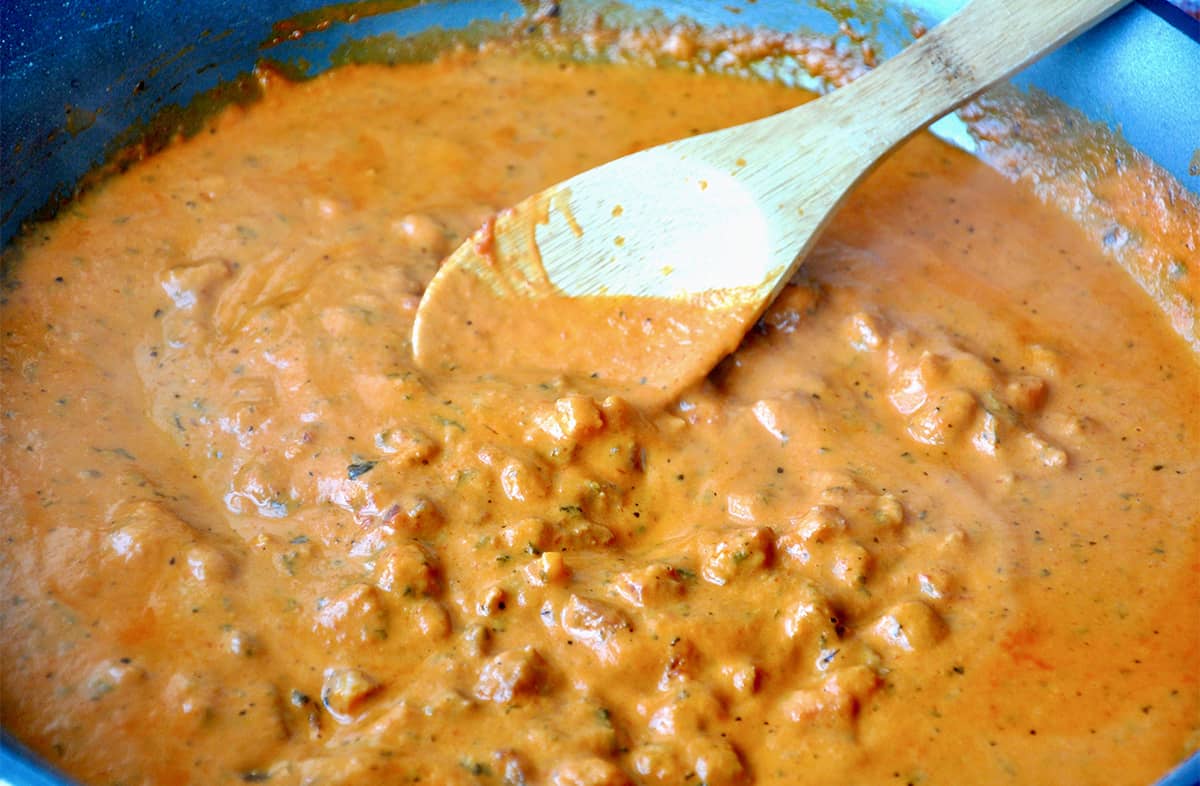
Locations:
450 423
119 452
475 767
288 560
359 468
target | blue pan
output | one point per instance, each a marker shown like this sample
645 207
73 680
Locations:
77 73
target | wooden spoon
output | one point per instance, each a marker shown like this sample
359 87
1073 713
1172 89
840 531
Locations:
645 272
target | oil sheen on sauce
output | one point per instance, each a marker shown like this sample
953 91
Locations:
934 522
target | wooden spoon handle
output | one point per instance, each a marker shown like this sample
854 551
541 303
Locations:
807 159
983 43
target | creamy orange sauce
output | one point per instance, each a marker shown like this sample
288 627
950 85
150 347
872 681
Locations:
934 522
644 349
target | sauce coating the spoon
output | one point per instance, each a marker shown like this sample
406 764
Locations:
499 312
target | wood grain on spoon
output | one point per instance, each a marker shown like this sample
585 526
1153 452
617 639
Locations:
645 272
